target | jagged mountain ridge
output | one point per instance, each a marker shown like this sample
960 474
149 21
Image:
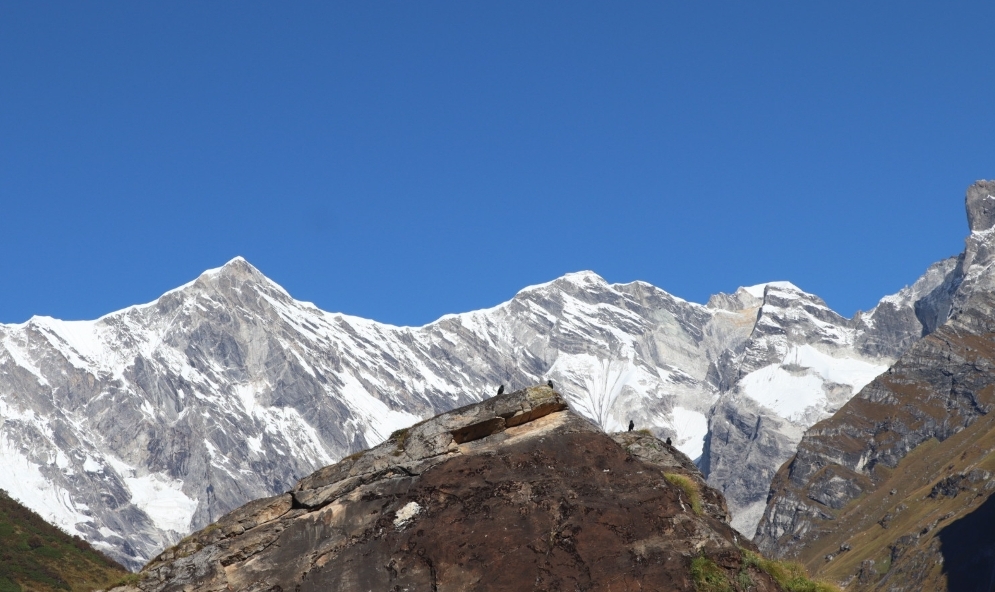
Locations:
133 429
895 490
800 364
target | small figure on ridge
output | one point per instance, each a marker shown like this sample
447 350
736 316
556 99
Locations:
500 389
632 424
669 443
549 383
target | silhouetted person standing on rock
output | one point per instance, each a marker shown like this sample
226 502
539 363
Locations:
632 424
500 389
669 443
549 383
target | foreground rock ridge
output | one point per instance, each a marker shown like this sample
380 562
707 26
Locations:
515 493
894 492
137 428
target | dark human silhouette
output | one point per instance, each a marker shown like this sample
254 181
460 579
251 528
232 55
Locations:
669 443
549 383
632 424
500 389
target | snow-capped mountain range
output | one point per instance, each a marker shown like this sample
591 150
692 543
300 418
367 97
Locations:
138 427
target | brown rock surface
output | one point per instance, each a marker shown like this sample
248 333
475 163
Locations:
515 493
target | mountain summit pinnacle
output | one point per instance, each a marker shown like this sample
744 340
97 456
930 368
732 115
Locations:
237 273
980 202
239 267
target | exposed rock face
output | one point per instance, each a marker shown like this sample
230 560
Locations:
515 493
138 427
909 457
981 206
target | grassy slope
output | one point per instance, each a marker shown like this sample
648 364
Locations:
34 555
861 523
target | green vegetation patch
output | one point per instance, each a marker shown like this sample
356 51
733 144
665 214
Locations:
36 555
689 487
539 394
400 439
791 576
709 577
131 579
354 456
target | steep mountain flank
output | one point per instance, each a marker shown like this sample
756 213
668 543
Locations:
34 555
799 364
515 493
138 427
893 492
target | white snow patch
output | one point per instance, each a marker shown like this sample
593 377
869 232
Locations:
856 373
783 393
378 419
983 234
691 427
246 393
90 465
255 444
790 394
61 460
120 467
406 514
757 291
212 452
84 345
163 500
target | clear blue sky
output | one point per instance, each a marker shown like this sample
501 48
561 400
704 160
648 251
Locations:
403 160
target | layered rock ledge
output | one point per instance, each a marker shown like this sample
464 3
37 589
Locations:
515 493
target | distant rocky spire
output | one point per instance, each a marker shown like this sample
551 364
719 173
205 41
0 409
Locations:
980 202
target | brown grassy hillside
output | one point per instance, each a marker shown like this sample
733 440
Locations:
36 556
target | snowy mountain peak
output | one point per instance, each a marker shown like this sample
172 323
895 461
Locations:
238 271
237 280
759 290
583 277
568 282
751 297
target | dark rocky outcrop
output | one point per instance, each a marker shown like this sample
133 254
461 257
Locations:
515 493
